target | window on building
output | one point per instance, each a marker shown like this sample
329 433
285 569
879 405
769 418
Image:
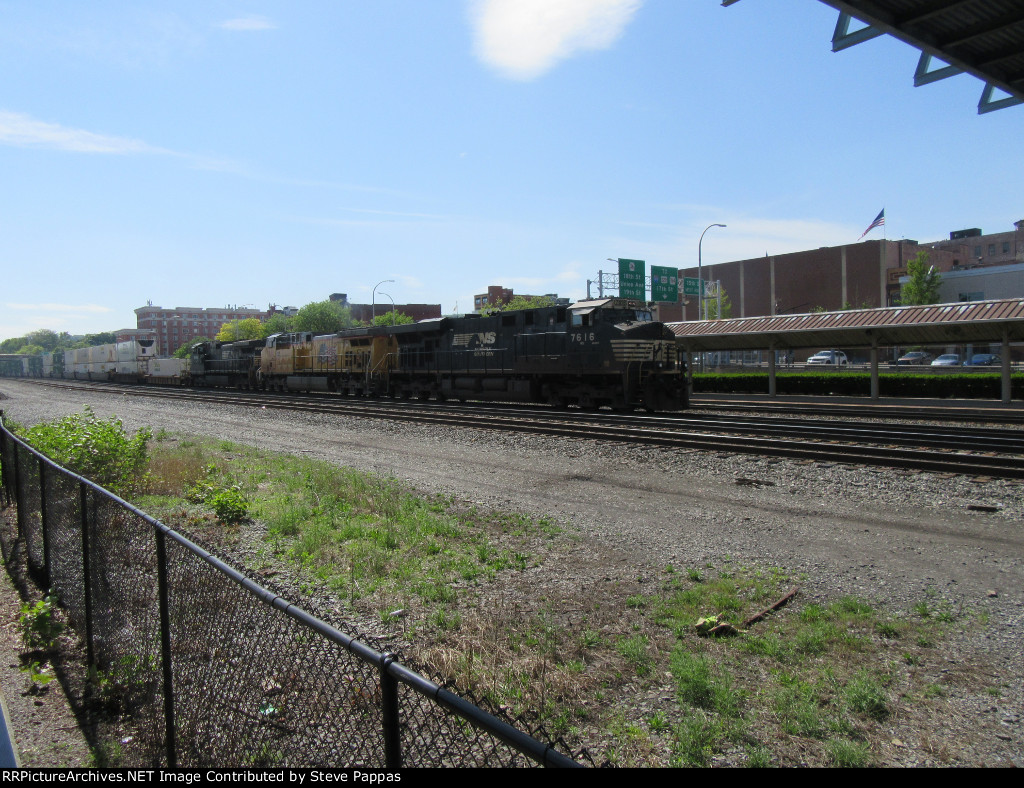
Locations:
978 295
991 248
1006 247
977 250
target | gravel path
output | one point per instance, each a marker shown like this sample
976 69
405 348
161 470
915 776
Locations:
883 535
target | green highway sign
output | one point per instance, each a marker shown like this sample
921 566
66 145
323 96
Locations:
664 283
691 286
632 279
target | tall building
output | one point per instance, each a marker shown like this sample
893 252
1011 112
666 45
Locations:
176 327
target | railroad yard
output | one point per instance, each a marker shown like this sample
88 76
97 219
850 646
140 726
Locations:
632 513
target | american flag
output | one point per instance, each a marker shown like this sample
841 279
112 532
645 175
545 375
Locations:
878 222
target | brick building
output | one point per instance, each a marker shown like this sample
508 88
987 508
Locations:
860 275
173 328
364 312
973 248
496 294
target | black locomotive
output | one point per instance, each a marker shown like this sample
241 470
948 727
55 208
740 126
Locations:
591 354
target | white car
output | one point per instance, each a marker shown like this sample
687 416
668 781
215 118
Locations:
833 358
947 360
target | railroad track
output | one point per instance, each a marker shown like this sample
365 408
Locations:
949 449
950 413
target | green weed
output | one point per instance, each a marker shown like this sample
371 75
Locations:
39 627
847 754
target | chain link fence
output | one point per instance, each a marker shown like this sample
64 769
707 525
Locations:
194 664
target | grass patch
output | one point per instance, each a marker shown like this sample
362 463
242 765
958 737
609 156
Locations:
808 683
363 535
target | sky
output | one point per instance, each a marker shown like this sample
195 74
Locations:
252 152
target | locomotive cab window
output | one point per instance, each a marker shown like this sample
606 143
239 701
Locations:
583 317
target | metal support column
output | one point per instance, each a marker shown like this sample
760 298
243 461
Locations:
874 369
1005 356
772 391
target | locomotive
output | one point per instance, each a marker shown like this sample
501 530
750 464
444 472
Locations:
607 352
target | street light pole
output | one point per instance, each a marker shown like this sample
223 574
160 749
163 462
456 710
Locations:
373 298
700 281
392 306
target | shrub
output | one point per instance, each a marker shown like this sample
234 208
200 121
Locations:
99 449
229 504
973 385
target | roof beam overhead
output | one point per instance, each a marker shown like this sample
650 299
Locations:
984 38
925 77
842 38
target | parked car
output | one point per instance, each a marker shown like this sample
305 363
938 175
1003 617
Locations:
947 360
835 358
914 357
983 360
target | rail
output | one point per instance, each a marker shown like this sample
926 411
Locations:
213 669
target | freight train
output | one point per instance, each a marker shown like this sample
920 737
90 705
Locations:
608 352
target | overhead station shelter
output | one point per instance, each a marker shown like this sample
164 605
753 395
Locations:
938 324
984 38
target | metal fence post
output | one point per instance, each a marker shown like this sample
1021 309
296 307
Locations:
83 502
42 523
19 500
5 491
389 707
165 648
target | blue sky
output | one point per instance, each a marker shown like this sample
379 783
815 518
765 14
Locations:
229 152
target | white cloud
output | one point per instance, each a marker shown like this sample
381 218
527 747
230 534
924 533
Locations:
247 24
23 131
524 38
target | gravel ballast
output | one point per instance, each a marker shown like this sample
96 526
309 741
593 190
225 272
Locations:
884 535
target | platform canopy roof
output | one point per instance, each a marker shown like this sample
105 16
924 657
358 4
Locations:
938 324
980 37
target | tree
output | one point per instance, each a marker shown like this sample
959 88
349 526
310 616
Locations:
103 338
392 318
277 323
712 307
923 282
322 317
44 338
249 328
186 350
517 303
